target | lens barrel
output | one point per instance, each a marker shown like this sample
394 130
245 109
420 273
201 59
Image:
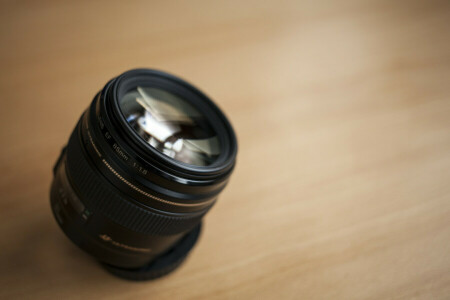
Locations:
135 180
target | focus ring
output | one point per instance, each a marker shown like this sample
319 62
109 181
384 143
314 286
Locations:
97 194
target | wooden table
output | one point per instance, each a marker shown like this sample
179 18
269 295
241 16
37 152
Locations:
342 110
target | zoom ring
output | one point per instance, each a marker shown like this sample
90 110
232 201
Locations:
100 196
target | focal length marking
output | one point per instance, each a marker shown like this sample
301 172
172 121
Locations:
135 187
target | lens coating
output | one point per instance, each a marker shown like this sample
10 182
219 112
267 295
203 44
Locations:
171 125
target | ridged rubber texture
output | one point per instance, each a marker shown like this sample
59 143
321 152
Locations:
100 196
163 265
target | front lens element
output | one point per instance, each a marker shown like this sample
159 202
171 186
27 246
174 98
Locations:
171 125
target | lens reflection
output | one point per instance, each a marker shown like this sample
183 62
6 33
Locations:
171 125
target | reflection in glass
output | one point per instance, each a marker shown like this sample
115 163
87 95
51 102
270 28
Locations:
170 125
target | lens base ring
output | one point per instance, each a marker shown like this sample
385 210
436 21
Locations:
163 265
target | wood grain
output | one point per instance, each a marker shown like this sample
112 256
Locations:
342 110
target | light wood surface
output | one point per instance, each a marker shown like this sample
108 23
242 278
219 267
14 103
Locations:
342 110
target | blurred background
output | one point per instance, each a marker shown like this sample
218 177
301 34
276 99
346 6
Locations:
342 111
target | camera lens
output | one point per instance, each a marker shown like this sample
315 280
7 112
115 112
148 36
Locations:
144 164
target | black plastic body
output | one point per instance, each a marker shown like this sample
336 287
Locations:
122 201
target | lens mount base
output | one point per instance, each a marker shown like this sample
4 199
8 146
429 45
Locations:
163 265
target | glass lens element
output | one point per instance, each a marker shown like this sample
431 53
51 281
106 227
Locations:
171 125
